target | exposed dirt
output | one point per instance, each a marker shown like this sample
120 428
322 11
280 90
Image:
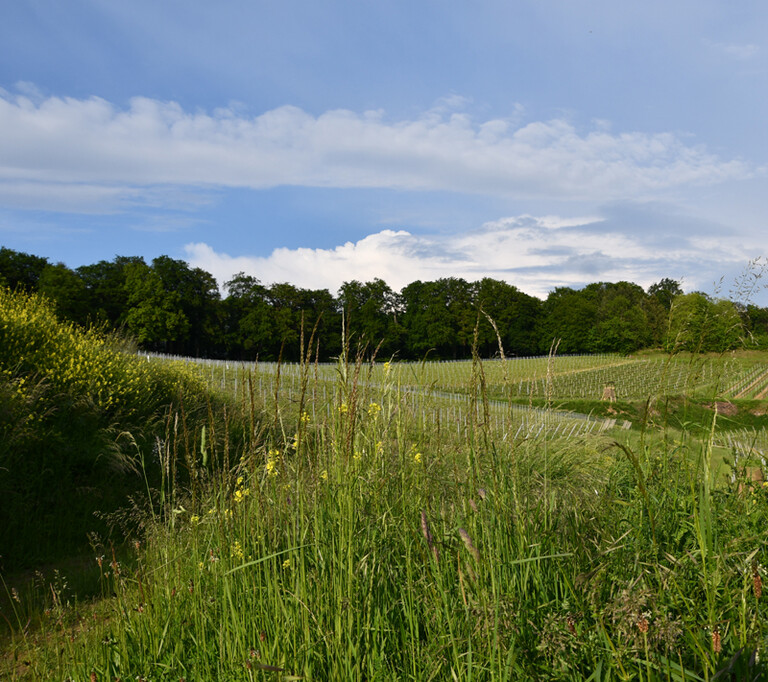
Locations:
724 408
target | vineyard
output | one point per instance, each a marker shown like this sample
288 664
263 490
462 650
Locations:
445 394
580 376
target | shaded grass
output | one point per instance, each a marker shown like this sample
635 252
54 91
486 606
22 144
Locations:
79 413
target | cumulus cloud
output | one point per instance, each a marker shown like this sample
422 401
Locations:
91 142
535 254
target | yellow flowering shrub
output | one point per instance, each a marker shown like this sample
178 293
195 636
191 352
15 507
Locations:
33 342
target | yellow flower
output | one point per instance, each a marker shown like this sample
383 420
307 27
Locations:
324 474
241 494
374 409
417 458
287 564
194 518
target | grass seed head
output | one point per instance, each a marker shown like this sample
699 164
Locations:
467 540
428 535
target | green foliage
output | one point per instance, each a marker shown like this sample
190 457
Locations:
20 270
155 315
171 308
67 291
371 315
66 396
699 324
105 283
515 314
665 291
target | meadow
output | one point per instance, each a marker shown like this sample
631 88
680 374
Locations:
370 519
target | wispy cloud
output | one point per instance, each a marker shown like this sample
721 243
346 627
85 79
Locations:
741 51
535 254
91 143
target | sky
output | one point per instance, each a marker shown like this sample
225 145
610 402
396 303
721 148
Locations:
543 142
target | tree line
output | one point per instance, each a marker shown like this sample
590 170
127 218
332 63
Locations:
170 307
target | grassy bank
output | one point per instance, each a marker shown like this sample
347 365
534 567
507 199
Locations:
80 415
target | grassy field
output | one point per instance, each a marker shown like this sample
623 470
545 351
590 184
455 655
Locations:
426 521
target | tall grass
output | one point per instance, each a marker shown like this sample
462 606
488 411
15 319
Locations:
359 542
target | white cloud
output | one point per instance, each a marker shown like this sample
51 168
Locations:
535 254
91 142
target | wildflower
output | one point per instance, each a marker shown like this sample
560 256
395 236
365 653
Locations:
324 474
272 461
194 519
287 563
343 408
374 409
304 418
417 458
237 550
241 493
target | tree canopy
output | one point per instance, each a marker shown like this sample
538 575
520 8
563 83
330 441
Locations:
168 306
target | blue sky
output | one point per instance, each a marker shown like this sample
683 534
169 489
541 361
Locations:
547 143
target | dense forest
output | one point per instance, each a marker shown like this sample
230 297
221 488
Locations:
172 308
